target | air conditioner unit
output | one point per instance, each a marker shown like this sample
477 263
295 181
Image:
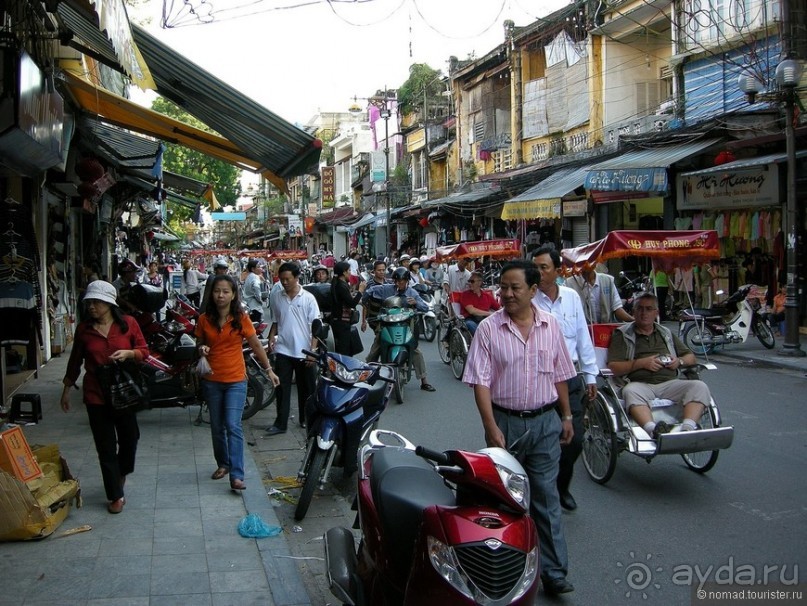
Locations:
665 72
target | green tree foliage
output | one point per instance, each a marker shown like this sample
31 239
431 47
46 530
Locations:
196 165
421 76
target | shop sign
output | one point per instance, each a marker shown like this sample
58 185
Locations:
31 116
229 216
378 167
750 187
328 186
295 226
628 179
575 208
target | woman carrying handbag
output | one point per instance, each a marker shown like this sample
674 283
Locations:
343 309
221 331
106 336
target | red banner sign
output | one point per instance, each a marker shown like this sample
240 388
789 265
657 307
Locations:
485 248
328 186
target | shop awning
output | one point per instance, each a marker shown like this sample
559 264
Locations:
475 199
339 216
102 31
365 220
278 145
97 102
745 163
543 201
642 169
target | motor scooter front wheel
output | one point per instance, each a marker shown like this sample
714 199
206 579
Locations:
312 477
429 328
763 332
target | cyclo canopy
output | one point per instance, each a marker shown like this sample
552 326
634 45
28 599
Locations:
667 249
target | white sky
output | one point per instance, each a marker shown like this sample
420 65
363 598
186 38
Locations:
299 61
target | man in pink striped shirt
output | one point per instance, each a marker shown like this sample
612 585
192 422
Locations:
518 366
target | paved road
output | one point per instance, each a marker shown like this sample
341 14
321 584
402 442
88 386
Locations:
653 530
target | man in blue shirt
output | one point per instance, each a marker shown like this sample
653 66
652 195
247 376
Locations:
400 288
567 308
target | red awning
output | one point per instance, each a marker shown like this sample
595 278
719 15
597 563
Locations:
498 249
339 216
667 249
288 255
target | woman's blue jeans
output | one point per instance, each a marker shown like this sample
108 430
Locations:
226 404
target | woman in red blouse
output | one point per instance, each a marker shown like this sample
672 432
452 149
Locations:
221 331
107 335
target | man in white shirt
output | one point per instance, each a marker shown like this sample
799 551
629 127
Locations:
294 309
456 277
252 290
600 297
565 305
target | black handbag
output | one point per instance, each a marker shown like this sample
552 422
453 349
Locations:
356 346
124 386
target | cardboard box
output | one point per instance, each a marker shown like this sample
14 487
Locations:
16 458
33 510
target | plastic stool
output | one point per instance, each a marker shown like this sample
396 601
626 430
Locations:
16 414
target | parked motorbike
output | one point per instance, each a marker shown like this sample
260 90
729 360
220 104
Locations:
398 339
171 363
629 287
350 397
437 528
427 322
732 322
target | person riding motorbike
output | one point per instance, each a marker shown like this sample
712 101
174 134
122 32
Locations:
320 274
400 288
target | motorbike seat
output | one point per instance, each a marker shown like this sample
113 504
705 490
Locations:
403 485
699 312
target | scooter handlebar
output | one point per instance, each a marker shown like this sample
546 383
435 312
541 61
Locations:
438 457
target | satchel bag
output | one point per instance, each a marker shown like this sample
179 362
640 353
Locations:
124 386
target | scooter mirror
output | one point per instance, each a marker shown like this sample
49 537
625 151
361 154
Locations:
316 328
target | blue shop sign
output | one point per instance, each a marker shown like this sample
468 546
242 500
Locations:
628 179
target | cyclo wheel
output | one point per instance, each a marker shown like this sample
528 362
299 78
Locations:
443 333
703 461
599 441
310 483
458 350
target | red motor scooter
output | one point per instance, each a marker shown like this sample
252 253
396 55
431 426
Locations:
436 528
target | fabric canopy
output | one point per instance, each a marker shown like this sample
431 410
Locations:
498 249
667 249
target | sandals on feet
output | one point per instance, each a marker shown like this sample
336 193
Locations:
219 473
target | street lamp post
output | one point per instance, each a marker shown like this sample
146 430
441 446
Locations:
385 114
788 75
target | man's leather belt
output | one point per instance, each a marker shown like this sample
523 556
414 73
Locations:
525 414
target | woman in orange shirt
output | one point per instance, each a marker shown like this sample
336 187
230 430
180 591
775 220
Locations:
220 332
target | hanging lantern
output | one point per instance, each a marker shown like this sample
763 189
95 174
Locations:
424 222
724 157
87 190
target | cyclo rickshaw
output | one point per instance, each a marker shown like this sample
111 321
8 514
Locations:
453 336
608 428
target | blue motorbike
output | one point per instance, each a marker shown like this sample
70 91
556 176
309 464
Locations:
350 397
398 340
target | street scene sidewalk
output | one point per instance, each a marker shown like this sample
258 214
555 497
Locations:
175 543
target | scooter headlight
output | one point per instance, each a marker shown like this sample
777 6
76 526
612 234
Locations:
517 485
341 372
444 560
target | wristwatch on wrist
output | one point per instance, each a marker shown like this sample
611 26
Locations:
567 417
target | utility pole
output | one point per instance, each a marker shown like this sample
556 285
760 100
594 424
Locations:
385 113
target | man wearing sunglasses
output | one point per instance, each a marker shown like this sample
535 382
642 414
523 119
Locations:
649 355
477 304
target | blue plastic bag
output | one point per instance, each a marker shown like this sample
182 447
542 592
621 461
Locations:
253 527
